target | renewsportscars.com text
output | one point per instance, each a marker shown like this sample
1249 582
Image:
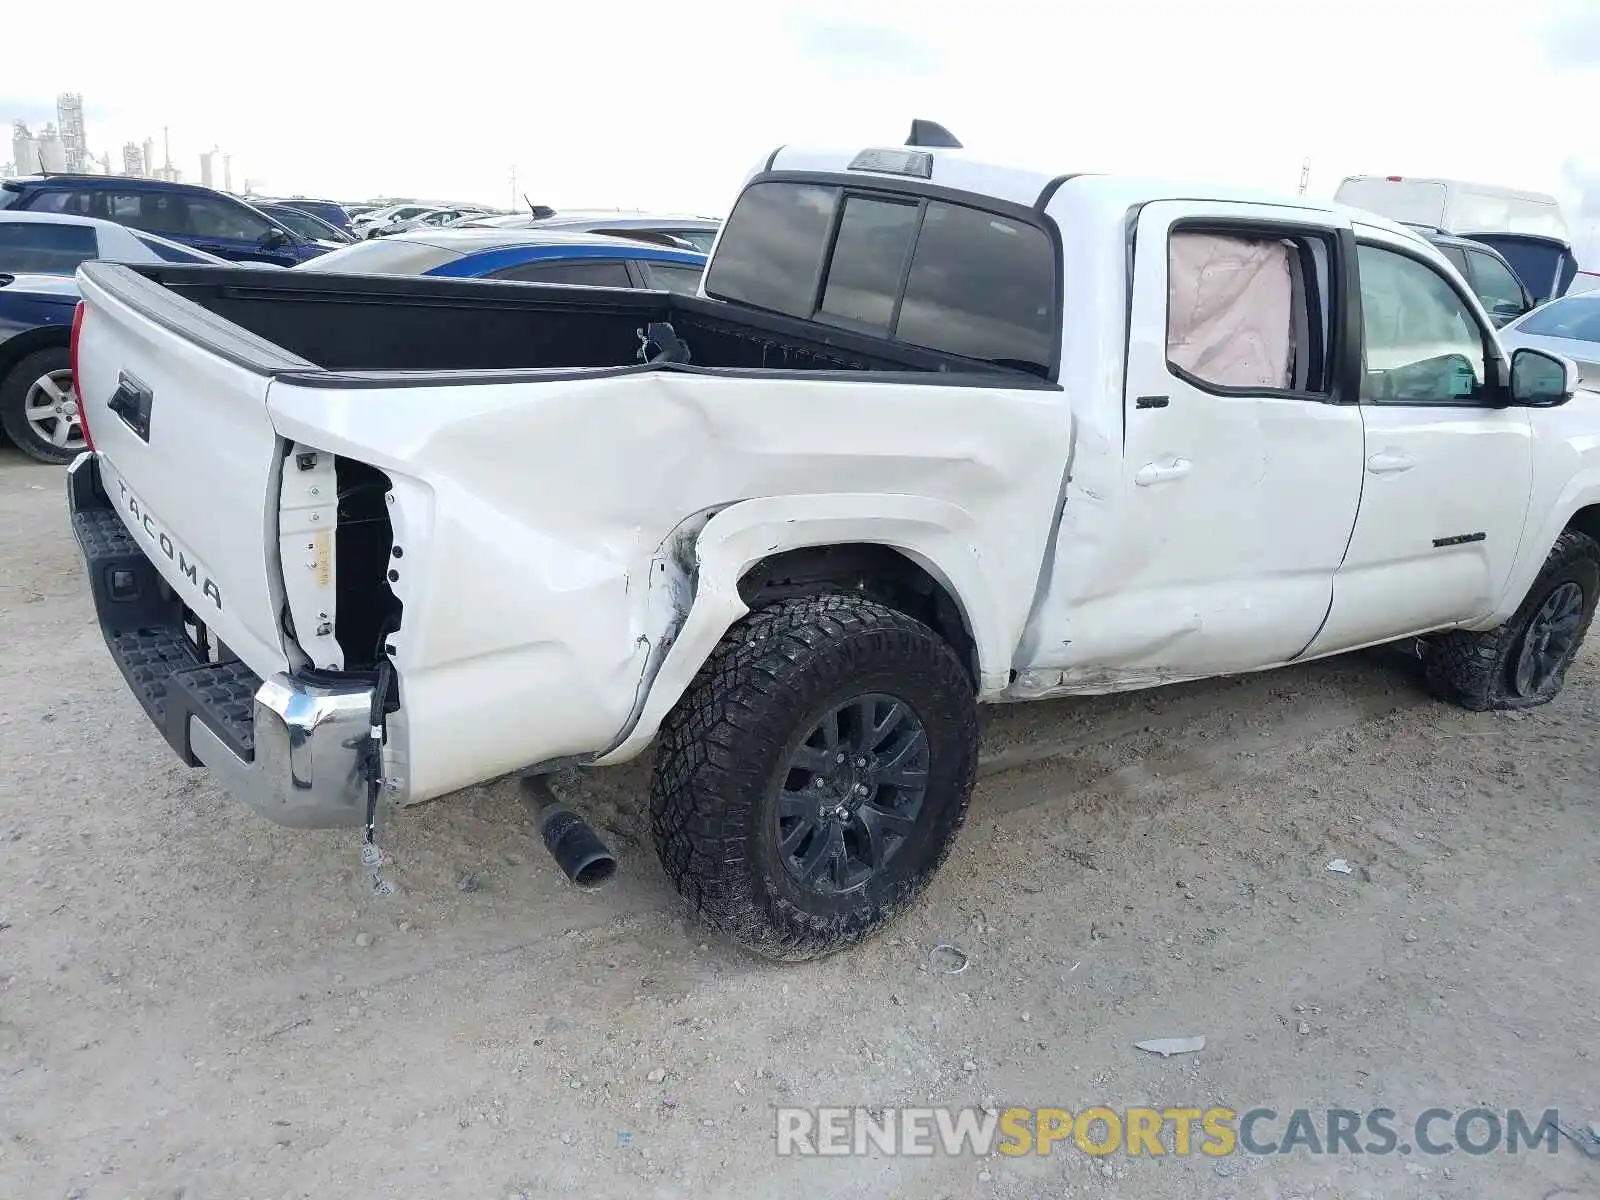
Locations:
1215 1131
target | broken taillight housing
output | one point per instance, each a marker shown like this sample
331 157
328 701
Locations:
77 391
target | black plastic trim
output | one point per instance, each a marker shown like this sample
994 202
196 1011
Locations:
980 376
1050 189
1460 539
132 402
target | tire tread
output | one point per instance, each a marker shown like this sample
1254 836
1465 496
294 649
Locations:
1465 668
716 747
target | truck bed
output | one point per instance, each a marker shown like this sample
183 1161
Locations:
358 325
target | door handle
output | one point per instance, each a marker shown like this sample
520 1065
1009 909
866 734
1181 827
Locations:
1161 472
1390 462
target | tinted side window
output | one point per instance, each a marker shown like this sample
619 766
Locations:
982 286
869 256
772 248
75 203
600 272
299 222
675 277
153 212
1420 341
211 218
38 248
1458 259
1495 285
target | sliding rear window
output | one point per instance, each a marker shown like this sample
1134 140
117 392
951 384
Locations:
940 275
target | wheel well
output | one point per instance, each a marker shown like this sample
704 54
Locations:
14 350
880 572
1587 520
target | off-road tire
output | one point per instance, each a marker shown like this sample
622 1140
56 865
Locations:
14 386
725 746
1474 670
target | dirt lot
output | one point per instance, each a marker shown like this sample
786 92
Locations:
196 1003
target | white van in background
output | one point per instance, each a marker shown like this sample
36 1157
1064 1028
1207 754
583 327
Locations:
1454 205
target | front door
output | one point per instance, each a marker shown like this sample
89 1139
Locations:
236 232
1241 456
1447 474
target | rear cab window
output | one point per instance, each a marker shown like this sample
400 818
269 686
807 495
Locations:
943 275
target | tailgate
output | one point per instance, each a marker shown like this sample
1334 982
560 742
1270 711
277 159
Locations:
175 400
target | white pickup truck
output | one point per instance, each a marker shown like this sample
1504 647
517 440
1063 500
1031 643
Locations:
937 432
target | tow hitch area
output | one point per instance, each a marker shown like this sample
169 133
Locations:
577 849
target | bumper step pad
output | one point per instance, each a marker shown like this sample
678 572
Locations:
143 627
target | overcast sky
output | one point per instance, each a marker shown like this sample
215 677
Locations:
664 106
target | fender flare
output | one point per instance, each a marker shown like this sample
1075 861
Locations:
940 537
1582 491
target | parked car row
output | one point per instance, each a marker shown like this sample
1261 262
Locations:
525 256
198 217
1526 231
39 253
51 224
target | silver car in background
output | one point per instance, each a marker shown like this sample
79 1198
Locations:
1569 326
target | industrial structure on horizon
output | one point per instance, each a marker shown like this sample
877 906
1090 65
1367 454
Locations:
62 145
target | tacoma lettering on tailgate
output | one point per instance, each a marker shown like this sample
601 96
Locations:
191 570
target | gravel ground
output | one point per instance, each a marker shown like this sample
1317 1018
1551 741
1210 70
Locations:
196 1003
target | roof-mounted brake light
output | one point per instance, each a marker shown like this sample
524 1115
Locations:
895 162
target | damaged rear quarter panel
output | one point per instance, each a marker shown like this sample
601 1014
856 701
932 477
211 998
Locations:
530 513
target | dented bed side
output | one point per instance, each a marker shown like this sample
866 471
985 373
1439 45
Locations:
542 592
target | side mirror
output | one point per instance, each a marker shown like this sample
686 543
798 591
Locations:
274 239
1540 380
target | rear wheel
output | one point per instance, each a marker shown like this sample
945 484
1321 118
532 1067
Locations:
812 778
37 408
1524 662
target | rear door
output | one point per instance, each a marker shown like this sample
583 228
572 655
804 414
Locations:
188 455
1242 454
1447 473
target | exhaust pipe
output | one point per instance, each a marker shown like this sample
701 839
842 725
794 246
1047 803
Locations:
577 849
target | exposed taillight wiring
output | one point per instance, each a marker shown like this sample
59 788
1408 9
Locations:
77 387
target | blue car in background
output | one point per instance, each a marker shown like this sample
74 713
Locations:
307 225
196 216
39 252
523 255
325 210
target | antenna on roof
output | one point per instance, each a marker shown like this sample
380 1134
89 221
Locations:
541 212
932 134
